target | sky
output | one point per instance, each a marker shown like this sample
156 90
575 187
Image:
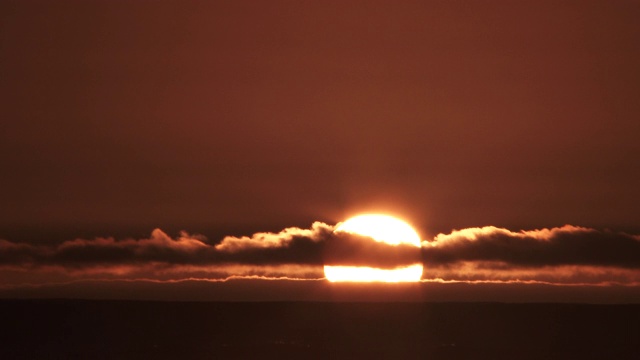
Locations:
197 141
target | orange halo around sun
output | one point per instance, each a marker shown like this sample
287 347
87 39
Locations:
382 228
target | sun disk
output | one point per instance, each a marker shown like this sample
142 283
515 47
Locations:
381 228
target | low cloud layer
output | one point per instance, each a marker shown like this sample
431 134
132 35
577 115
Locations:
564 255
567 245
291 246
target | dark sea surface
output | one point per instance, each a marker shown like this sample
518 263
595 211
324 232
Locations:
90 329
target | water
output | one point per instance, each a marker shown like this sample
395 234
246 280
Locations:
76 329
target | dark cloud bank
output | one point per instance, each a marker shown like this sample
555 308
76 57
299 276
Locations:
563 255
567 245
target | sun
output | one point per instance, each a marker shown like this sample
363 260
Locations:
383 228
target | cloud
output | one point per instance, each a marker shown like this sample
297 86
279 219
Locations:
16 253
291 246
159 247
566 245
350 249
294 252
264 240
564 255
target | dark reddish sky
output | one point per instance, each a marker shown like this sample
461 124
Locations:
450 113
230 117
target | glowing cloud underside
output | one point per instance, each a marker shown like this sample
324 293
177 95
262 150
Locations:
381 228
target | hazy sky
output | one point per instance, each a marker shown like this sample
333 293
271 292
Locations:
231 117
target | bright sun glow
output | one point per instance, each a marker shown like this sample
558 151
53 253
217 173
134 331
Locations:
382 228
369 274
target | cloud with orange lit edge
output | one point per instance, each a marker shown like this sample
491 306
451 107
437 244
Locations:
561 255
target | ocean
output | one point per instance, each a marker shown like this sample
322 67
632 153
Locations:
96 329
